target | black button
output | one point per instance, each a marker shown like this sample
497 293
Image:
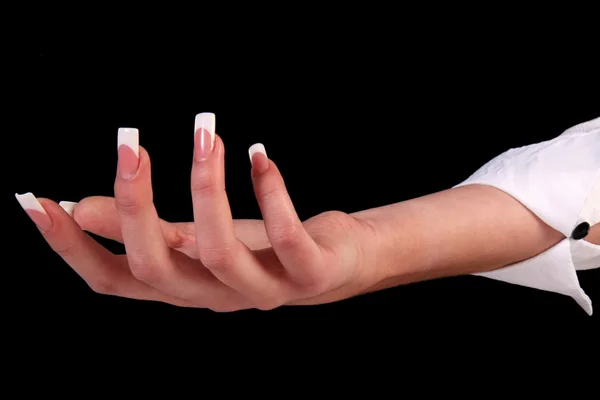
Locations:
581 231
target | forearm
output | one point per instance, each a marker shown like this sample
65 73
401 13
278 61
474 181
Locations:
458 231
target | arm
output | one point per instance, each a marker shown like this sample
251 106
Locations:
512 220
523 203
472 229
458 231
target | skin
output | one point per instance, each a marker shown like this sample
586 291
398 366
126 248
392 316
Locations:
225 265
594 234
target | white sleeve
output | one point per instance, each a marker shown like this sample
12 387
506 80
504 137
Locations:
559 181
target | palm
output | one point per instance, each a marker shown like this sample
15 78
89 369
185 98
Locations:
331 230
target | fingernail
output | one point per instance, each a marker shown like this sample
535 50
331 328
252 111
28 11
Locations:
260 164
129 149
34 209
204 131
68 206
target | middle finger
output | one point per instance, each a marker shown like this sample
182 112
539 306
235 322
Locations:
218 248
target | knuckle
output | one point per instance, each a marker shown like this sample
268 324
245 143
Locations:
220 258
335 219
334 214
224 308
268 304
65 250
268 193
127 205
103 286
177 238
314 280
145 272
203 183
285 237
315 284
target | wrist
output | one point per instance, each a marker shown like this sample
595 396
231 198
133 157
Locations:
382 262
392 248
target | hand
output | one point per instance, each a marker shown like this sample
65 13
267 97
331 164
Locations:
213 262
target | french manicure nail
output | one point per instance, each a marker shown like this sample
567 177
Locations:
129 149
34 209
259 164
204 135
256 148
68 206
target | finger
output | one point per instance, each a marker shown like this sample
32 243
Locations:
297 251
103 271
150 259
98 215
147 252
218 248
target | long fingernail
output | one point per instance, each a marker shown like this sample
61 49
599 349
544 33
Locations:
256 148
34 209
129 149
259 163
68 206
204 135
258 158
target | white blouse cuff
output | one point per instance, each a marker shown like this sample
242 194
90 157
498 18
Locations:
559 181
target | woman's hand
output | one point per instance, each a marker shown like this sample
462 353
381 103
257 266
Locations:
214 262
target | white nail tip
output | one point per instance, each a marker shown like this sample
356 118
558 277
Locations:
68 206
29 202
206 121
256 148
129 137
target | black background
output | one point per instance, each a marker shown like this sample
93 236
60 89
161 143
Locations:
354 116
